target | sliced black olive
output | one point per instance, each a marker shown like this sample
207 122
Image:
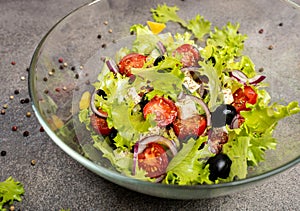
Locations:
219 166
102 94
223 115
158 60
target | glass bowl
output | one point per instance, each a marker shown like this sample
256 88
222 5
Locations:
67 62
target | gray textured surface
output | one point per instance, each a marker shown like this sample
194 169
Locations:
57 181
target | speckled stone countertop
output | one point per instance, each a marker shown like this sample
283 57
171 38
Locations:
56 181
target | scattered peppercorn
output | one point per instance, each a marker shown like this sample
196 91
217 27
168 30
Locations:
17 92
270 47
45 79
103 45
65 64
60 60
27 69
13 63
28 114
5 106
12 208
110 30
46 91
11 97
280 24
99 36
33 162
61 67
23 78
76 76
3 153
261 31
42 129
105 22
73 68
26 133
14 128
2 111
64 88
261 69
26 100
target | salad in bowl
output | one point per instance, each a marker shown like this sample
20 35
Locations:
186 108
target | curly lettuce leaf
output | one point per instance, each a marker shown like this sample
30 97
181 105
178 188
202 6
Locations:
188 166
145 40
164 14
199 26
10 191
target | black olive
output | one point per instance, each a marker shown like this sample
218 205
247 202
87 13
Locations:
158 60
223 115
219 166
113 134
143 102
102 94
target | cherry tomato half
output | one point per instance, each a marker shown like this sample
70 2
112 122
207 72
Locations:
100 125
153 160
190 55
165 110
243 96
191 127
132 60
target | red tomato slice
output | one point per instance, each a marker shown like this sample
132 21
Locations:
191 127
153 160
165 110
133 60
190 55
100 125
243 96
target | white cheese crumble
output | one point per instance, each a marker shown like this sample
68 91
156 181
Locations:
189 83
228 97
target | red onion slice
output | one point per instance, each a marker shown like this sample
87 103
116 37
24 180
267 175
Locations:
161 48
112 66
241 77
235 123
93 107
201 103
256 79
135 157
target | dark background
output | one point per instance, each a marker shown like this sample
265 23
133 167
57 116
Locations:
56 181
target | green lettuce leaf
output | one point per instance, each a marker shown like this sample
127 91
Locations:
199 26
188 166
164 14
10 191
